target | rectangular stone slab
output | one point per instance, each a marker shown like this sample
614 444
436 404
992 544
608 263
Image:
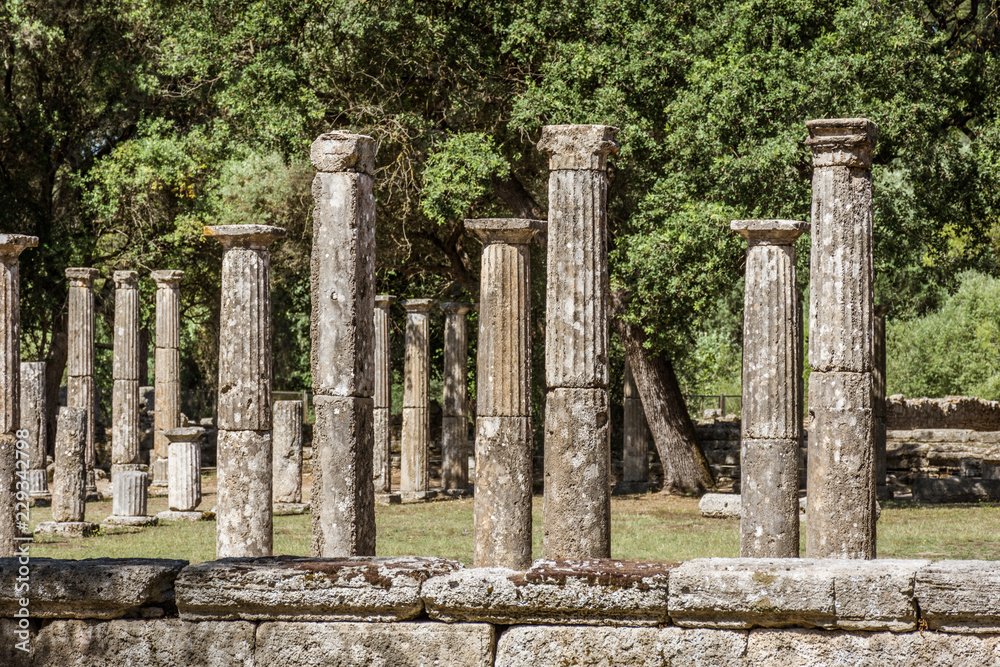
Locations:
307 589
960 595
91 588
374 644
577 592
875 594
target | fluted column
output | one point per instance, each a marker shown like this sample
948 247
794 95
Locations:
288 457
184 471
503 389
167 369
243 517
841 474
128 480
11 247
80 360
34 427
635 438
414 459
772 383
577 506
882 489
382 458
455 399
343 347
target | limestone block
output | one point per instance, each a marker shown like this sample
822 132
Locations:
960 596
375 644
955 490
19 643
343 151
69 480
769 488
577 506
875 594
243 518
578 146
343 284
343 498
287 451
414 470
90 588
841 391
720 505
567 592
162 642
455 452
556 646
305 589
807 648
503 492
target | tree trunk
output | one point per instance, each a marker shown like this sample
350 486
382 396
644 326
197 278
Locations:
685 469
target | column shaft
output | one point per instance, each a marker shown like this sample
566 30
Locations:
454 406
287 451
382 457
635 446
69 492
167 405
80 360
415 471
185 476
33 421
882 489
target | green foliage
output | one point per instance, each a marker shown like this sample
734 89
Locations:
458 175
951 351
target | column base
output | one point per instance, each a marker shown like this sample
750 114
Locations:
287 509
66 528
130 521
457 493
388 499
175 515
629 488
417 496
94 496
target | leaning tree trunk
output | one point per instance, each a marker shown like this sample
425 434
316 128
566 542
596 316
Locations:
685 469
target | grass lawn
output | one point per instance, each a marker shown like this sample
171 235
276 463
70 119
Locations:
644 527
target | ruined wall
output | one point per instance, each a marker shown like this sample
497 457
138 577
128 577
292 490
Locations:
950 412
421 611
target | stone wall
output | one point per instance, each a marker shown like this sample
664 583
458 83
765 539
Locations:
420 611
950 412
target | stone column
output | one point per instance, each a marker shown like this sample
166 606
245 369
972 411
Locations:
577 507
414 460
243 518
382 467
455 400
128 480
772 383
35 425
635 440
503 388
841 474
287 458
184 472
343 345
11 247
882 490
167 369
80 360
69 483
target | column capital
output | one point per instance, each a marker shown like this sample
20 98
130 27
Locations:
126 279
513 231
456 308
769 232
418 305
12 245
842 142
258 237
167 278
81 277
578 146
384 300
343 151
185 434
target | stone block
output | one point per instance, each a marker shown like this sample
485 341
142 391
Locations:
578 146
343 151
374 645
91 588
720 505
875 595
556 646
67 528
244 523
769 501
306 589
163 642
841 391
955 490
502 513
18 642
573 592
960 595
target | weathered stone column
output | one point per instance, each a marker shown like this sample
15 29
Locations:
184 471
577 506
882 490
455 399
414 460
167 369
503 387
11 247
343 346
841 475
243 518
80 360
772 384
382 466
69 483
34 423
287 458
635 439
128 480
